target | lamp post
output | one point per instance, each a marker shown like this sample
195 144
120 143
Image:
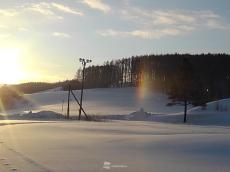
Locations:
84 62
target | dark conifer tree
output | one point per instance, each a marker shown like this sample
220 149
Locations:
186 88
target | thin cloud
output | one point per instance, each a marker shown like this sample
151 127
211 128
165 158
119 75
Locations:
215 24
44 9
146 34
66 9
98 5
155 24
61 35
8 12
50 9
172 17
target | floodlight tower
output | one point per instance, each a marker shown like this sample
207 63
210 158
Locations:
84 62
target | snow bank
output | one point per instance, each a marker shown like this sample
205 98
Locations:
215 113
42 115
196 116
219 106
140 115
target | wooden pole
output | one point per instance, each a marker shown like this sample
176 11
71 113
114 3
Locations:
82 88
62 107
68 108
185 111
80 105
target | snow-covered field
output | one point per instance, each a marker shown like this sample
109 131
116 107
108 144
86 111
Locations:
150 139
112 101
122 104
113 146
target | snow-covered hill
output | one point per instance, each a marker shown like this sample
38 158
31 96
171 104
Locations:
111 101
123 104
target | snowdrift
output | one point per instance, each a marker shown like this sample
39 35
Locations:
215 113
42 115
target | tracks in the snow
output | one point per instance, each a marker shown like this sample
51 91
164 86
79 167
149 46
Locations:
10 159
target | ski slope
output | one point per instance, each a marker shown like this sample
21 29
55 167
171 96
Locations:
125 146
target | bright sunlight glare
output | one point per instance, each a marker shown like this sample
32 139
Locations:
10 66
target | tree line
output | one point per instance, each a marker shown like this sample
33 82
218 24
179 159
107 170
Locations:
187 79
212 72
10 94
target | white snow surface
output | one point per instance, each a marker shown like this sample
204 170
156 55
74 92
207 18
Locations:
125 146
146 135
104 101
122 104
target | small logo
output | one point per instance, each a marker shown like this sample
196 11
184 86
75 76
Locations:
108 165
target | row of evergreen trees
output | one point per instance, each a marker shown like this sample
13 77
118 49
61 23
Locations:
159 71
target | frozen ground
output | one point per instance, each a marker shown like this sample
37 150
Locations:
124 146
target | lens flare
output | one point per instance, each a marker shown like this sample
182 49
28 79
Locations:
143 86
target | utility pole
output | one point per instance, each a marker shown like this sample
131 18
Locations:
68 102
62 107
84 62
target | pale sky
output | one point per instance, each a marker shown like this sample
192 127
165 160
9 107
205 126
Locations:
43 40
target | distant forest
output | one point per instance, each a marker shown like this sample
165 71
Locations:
159 72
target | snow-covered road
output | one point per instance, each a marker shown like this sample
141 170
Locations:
113 146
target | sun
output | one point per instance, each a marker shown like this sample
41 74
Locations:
10 66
